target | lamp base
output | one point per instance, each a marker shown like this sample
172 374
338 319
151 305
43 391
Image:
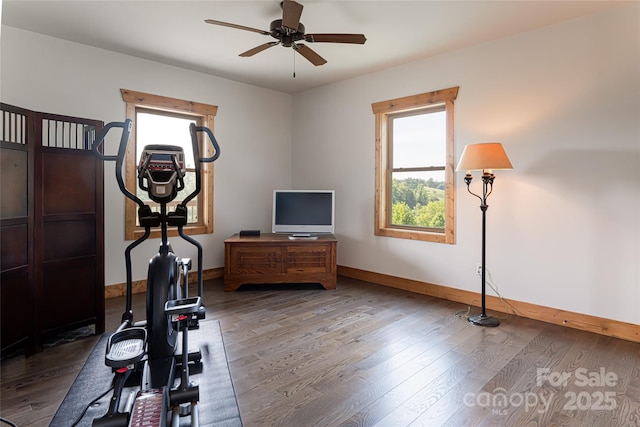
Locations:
483 320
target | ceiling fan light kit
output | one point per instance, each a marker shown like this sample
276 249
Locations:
288 31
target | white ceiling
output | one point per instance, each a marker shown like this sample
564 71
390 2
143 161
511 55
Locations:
174 32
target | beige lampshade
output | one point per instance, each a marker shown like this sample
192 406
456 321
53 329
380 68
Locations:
487 155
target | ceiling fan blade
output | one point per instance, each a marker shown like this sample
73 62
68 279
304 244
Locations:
310 54
258 49
336 38
239 27
291 13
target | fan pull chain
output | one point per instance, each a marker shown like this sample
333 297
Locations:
294 63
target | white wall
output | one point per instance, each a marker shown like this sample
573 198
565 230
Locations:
564 226
253 127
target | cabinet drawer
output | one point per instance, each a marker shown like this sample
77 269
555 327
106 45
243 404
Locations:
255 260
307 259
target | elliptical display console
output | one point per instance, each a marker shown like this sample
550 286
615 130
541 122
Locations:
143 354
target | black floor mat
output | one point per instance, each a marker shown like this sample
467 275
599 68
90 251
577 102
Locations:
217 407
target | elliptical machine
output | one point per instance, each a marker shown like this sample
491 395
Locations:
143 355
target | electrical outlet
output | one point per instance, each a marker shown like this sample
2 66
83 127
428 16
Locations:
479 269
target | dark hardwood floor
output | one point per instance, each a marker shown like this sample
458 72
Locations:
367 355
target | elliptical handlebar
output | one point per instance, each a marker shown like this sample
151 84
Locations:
118 158
194 141
193 129
122 148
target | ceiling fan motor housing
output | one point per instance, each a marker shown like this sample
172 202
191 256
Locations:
285 35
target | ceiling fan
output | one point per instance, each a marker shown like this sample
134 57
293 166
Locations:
288 31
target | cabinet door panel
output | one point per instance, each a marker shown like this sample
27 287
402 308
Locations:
69 183
14 247
70 299
255 260
13 170
15 306
58 244
307 259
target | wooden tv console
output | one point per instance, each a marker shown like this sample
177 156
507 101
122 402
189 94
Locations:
274 258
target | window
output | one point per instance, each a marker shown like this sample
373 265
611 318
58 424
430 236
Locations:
414 196
161 120
159 127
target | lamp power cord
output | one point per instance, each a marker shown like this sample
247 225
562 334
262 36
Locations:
510 310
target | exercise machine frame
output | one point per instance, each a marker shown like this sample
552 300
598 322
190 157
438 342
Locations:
144 355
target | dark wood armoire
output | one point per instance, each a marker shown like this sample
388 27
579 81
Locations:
51 227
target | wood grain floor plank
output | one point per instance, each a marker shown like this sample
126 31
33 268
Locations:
432 391
365 355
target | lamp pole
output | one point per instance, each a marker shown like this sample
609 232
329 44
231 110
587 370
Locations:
487 187
485 157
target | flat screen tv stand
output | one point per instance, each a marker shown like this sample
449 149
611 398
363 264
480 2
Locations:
274 258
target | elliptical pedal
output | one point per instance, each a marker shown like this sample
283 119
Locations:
126 347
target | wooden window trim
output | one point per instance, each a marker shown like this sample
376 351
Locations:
382 110
207 113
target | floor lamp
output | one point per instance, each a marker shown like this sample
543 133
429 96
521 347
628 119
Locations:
485 157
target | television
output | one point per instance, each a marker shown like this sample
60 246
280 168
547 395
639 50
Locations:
303 211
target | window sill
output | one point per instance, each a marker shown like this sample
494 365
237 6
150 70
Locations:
426 236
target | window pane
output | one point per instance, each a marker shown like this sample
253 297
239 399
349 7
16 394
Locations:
420 140
163 129
417 199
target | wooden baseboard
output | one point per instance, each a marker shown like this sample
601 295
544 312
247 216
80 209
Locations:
140 286
585 322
